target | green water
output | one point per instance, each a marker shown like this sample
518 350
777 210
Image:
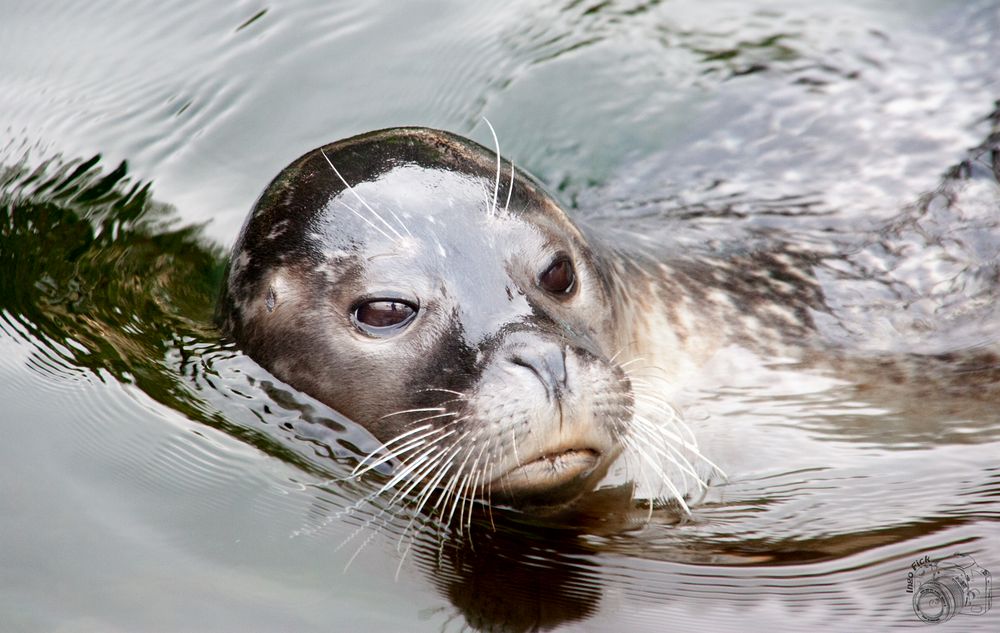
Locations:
154 479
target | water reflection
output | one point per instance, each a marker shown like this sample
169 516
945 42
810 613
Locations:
105 287
102 285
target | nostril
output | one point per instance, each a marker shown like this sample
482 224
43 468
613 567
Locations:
547 363
533 367
519 360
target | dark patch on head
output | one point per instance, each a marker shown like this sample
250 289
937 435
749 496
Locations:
450 365
298 197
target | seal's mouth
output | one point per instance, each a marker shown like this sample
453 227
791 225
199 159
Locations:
550 478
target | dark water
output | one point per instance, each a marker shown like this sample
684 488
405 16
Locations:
154 479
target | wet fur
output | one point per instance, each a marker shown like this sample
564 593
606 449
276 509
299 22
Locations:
665 314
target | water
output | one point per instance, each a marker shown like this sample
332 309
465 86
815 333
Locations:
155 479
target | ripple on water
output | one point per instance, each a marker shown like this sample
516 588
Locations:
51 361
706 115
819 73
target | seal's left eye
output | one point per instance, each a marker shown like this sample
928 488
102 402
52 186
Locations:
383 317
559 278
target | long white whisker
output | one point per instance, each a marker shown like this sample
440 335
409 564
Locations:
496 189
672 417
489 495
386 451
366 220
420 410
414 443
458 471
360 199
467 495
396 453
450 491
400 222
458 496
435 417
629 362
405 471
513 441
449 458
510 188
659 471
409 467
420 474
443 465
662 433
385 447
451 391
449 488
478 485
677 459
649 501
665 435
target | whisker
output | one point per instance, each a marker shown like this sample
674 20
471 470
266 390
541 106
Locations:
690 445
661 430
410 467
457 498
659 471
451 391
676 458
672 417
360 199
468 494
650 499
421 410
510 188
420 475
432 483
629 362
385 446
435 417
489 496
458 473
366 220
400 222
513 442
410 444
475 486
496 141
463 487
649 373
396 453
388 454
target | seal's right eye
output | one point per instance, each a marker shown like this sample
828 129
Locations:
383 317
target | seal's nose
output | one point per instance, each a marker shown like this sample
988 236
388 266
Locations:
547 360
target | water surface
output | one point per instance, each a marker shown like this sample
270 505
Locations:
154 479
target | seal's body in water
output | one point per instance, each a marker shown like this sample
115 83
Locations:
433 293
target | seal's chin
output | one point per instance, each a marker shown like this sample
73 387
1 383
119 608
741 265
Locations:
552 478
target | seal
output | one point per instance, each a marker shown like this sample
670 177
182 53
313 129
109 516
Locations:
424 287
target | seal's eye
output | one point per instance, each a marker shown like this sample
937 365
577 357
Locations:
383 317
559 278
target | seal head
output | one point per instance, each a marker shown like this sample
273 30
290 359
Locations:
444 301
